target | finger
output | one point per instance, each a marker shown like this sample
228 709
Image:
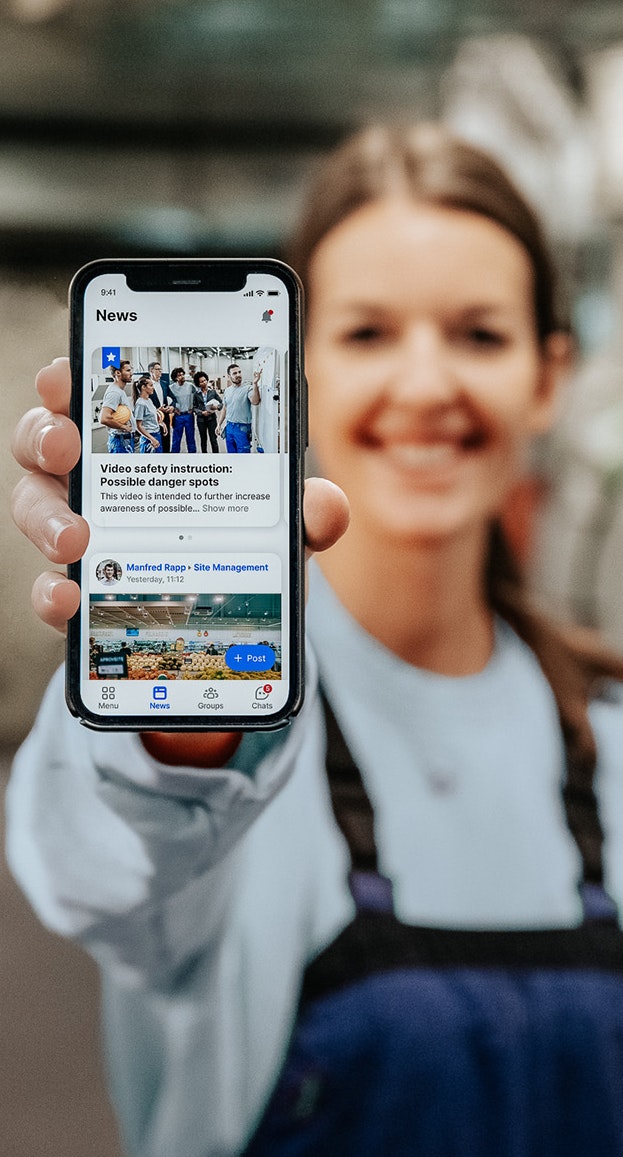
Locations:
40 510
54 386
46 441
55 599
326 513
191 748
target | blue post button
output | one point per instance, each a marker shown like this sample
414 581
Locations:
250 658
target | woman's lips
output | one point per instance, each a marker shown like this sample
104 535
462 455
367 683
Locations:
412 456
427 454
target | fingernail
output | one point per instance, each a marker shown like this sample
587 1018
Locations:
48 590
55 527
39 451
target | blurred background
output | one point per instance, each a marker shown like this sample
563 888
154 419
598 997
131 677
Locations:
144 127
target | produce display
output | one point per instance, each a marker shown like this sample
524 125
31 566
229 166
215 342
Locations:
144 664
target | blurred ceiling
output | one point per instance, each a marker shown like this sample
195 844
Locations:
188 125
196 612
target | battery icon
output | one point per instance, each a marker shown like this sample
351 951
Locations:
274 292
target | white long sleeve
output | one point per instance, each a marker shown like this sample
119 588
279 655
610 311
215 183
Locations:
118 850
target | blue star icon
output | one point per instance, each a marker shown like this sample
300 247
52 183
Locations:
111 356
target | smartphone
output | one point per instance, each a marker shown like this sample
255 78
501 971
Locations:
188 391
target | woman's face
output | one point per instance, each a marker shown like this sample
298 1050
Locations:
426 376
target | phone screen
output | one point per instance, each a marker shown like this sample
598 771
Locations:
187 389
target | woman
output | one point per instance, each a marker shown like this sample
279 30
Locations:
206 402
386 956
146 417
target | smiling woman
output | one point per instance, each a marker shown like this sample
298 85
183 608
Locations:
448 745
435 381
433 343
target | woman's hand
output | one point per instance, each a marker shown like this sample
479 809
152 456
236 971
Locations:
47 444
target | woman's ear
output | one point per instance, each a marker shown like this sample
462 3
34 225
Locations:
557 358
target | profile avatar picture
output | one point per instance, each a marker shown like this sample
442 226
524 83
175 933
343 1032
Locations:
109 572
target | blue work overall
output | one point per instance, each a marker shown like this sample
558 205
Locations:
425 1042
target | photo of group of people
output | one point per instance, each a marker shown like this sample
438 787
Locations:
197 636
176 400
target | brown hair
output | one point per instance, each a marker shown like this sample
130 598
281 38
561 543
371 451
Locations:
431 166
137 386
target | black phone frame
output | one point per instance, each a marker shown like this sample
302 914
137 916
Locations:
201 275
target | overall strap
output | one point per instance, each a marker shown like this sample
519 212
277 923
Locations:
584 823
355 818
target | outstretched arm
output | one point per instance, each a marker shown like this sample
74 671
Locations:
47 444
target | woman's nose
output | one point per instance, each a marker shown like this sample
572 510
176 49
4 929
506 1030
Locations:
427 375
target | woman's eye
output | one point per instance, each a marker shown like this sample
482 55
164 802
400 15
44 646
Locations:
363 335
486 338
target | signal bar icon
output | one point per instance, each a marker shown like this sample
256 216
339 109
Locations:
248 293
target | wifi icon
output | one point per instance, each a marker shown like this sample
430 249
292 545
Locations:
260 292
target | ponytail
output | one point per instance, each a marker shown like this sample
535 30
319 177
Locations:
577 666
